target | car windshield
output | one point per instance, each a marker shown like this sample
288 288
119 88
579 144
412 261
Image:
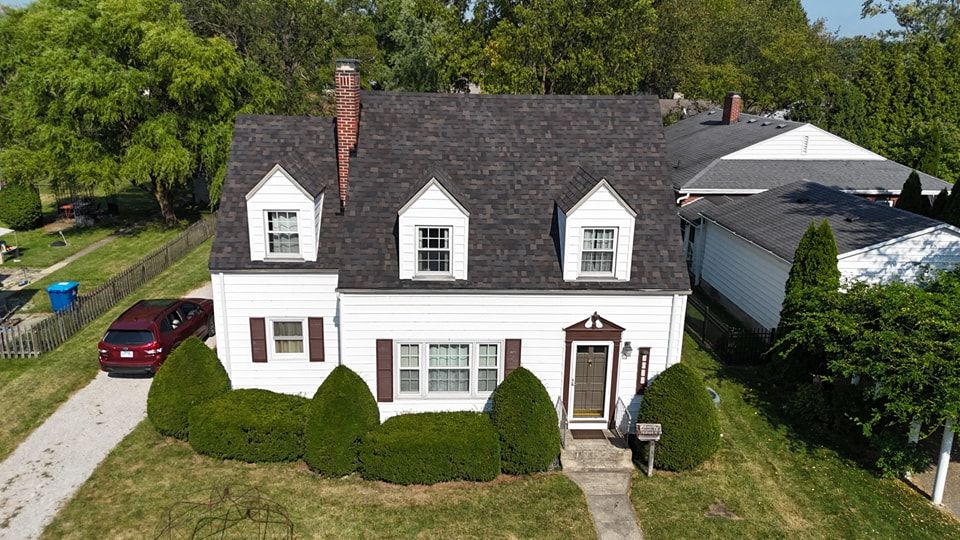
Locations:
128 337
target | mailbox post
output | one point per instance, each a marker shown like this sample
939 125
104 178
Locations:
649 433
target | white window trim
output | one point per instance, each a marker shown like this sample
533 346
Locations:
424 354
272 353
616 245
572 366
266 237
417 273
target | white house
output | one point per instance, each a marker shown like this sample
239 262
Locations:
434 242
742 250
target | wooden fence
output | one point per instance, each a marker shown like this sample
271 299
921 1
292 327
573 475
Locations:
731 344
48 334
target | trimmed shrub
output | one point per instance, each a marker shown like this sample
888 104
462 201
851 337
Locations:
526 423
20 206
678 400
427 448
342 411
250 425
191 375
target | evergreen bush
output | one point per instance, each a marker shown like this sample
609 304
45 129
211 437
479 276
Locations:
678 400
191 374
341 413
939 204
20 206
250 425
427 448
912 198
526 423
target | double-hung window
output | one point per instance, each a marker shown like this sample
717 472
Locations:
441 369
433 250
599 246
288 337
283 238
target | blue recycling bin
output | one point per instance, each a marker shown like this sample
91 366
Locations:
63 294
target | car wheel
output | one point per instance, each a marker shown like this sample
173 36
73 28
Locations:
211 327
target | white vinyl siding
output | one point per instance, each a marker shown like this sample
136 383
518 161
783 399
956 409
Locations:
806 142
906 259
433 209
602 210
280 193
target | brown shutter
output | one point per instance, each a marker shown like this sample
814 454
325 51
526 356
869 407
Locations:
315 329
384 370
258 339
643 367
511 356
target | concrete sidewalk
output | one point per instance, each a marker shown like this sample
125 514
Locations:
609 503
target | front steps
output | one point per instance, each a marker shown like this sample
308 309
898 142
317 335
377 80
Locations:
608 454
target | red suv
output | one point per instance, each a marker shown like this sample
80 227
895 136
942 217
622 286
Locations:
142 337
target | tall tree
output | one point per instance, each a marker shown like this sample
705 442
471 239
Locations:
912 198
931 17
569 47
939 204
123 91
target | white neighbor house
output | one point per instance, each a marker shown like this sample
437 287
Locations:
741 251
434 242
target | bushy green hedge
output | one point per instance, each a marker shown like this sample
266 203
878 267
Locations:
191 375
526 423
20 206
250 425
678 399
342 411
427 448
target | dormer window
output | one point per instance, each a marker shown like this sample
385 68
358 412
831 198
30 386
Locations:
599 248
433 252
283 238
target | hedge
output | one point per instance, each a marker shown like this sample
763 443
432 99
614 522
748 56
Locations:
678 400
250 425
20 206
342 411
427 448
191 375
526 423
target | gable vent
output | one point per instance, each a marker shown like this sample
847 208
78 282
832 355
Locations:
804 145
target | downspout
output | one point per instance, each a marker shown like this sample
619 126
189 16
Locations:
224 344
681 199
339 320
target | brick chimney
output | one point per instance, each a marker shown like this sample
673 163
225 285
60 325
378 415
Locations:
347 97
731 108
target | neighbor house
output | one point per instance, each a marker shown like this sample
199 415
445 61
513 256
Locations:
435 242
744 249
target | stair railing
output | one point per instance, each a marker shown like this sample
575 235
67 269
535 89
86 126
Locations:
563 422
623 420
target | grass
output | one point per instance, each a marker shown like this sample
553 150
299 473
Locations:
96 267
774 484
31 389
147 473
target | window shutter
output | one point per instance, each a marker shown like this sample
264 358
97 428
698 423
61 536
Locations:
384 370
315 329
258 339
643 367
511 356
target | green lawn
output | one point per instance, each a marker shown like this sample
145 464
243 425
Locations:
35 249
31 389
776 485
127 495
96 267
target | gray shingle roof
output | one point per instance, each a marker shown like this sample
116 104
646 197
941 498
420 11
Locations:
776 219
509 158
850 175
695 142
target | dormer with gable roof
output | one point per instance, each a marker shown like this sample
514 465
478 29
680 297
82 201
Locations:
596 230
283 215
434 231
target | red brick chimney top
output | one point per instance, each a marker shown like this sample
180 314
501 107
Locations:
731 108
347 97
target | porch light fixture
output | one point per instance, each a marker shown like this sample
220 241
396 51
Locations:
627 349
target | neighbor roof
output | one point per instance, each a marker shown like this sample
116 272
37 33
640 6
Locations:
508 158
776 219
695 142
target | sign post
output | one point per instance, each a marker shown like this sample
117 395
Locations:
649 433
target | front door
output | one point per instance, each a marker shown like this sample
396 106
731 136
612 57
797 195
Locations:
590 384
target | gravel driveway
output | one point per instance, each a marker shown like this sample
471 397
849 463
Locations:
56 459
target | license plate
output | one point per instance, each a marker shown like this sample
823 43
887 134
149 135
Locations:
126 354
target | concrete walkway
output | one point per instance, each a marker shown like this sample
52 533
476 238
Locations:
609 503
89 249
55 460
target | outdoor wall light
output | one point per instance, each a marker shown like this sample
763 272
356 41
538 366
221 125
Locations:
627 349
